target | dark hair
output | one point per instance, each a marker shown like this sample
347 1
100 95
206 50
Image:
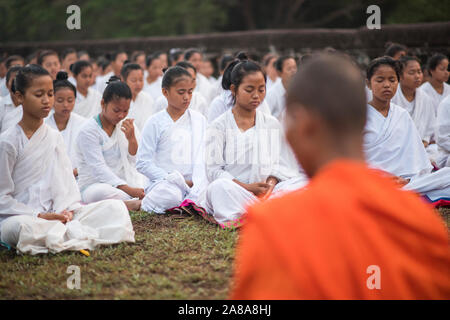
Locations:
150 59
435 60
186 65
174 55
137 54
224 61
279 63
174 75
190 52
10 59
13 69
113 55
242 69
25 76
127 68
66 52
404 62
267 59
393 48
387 61
226 78
78 66
45 53
304 58
80 53
333 87
62 82
103 62
116 89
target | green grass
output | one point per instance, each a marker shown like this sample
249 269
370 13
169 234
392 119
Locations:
172 259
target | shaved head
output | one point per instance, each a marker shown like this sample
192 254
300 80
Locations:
332 87
326 112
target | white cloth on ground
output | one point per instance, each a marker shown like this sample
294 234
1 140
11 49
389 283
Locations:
36 177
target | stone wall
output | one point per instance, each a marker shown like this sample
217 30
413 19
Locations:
422 39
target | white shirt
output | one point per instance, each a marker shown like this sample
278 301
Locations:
393 143
154 88
69 134
436 97
248 156
100 156
141 109
443 133
276 99
162 146
89 105
9 114
421 111
3 89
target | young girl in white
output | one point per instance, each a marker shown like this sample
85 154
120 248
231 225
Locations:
63 119
87 103
40 208
142 104
106 149
171 151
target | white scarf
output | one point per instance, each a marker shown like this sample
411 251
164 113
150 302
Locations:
393 144
132 177
422 113
45 156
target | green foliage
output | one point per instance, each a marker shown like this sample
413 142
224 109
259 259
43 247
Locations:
38 20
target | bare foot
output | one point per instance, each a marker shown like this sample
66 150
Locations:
133 205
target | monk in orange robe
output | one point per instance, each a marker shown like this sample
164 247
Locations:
351 233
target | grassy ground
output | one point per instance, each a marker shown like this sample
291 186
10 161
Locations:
171 259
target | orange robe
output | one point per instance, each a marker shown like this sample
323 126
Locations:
320 242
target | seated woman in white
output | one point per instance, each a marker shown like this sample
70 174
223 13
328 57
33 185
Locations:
171 150
418 104
391 140
246 151
198 102
195 57
106 147
286 67
87 103
443 133
152 83
436 87
224 101
63 119
142 104
40 208
10 109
